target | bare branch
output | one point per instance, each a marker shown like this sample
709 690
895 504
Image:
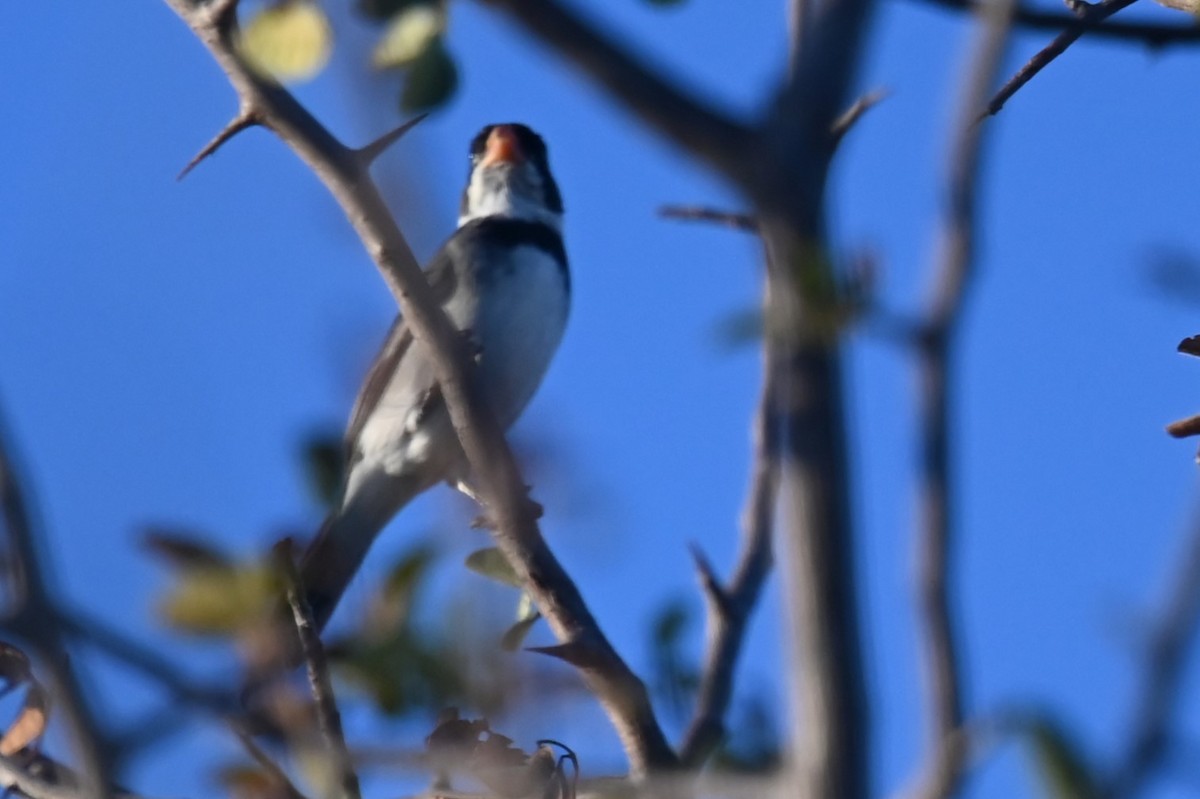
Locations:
714 592
496 477
830 746
1090 16
1185 428
953 274
1148 33
265 761
245 119
88 629
39 777
849 117
370 152
699 213
676 114
35 620
329 718
730 607
1190 346
1162 676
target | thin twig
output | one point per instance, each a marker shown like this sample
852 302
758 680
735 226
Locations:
1185 428
329 718
1162 676
729 607
1093 15
1148 33
699 213
39 777
496 477
850 117
265 761
35 619
954 272
91 630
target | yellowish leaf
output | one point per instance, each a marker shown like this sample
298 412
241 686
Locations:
29 724
290 42
220 601
408 35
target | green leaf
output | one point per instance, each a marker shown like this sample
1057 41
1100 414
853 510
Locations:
740 328
324 458
527 616
1060 761
515 635
183 549
406 575
670 624
220 601
408 35
432 79
290 42
492 564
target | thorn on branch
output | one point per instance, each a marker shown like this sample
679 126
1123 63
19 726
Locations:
572 652
697 213
246 118
222 14
842 125
709 582
368 153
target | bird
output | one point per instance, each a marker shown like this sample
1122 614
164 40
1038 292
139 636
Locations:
503 280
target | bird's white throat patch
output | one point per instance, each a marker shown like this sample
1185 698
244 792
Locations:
515 194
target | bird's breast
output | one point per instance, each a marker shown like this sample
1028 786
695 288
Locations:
524 298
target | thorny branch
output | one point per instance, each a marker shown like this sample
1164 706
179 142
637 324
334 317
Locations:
953 274
498 481
1089 15
729 607
1147 33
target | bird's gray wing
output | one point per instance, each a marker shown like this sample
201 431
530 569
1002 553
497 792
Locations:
443 279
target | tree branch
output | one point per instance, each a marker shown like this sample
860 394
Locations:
698 213
35 619
329 718
497 479
676 114
729 607
1150 34
953 274
1162 677
830 728
1090 15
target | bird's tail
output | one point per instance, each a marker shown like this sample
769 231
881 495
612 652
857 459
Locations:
335 555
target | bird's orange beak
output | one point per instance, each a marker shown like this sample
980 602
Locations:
502 147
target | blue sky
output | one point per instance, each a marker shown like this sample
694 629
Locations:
164 346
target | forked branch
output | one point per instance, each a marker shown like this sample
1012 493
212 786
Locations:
729 607
498 481
954 272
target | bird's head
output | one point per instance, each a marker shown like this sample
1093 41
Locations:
510 177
